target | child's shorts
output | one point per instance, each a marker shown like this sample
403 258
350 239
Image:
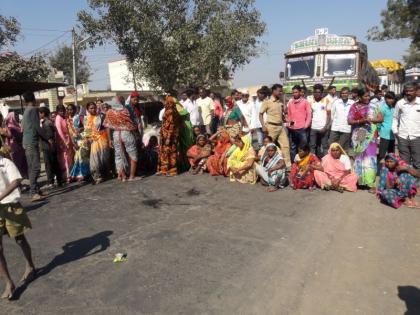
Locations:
13 219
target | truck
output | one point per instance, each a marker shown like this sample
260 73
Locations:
328 59
412 75
390 73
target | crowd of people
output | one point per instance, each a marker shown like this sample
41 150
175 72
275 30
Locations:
326 141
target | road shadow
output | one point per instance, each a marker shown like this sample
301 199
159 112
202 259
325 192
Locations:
35 205
411 297
72 251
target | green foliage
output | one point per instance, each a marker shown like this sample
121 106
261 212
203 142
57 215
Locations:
178 43
62 60
9 30
400 20
413 57
14 67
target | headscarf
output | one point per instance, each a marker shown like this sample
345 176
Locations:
336 145
274 160
394 157
229 102
239 153
134 94
11 121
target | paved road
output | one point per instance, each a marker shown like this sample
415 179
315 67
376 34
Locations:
200 245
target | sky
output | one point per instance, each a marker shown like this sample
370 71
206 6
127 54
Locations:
45 22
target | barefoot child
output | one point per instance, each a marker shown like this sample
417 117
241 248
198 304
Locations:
13 221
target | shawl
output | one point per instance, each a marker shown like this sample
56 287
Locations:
332 166
387 174
119 120
223 143
240 154
273 160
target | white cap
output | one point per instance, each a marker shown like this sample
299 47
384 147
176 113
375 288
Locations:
244 92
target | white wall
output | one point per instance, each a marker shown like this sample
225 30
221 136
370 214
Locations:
121 79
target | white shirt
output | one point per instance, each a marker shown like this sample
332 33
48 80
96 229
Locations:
339 115
192 108
406 121
205 106
257 122
8 174
346 161
161 113
249 113
331 99
319 112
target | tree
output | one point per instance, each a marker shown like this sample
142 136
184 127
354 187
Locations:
400 20
178 43
9 30
62 60
14 67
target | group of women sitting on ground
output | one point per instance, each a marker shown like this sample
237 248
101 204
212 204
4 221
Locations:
229 153
239 162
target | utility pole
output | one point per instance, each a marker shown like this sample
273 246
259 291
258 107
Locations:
74 65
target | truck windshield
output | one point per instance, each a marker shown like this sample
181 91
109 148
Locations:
340 65
300 67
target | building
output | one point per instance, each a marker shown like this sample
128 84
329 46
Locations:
122 78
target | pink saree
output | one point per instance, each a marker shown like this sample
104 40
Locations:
334 168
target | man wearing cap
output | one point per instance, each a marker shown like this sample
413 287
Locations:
247 108
274 110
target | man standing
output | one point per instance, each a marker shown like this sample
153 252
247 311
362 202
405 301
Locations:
32 133
205 107
190 105
261 97
406 125
321 119
48 151
331 98
340 128
247 108
299 117
386 136
273 108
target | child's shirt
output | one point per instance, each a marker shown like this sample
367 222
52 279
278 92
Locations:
8 174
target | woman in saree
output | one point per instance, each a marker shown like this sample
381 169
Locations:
96 134
302 173
122 131
241 163
186 138
272 170
198 155
234 120
266 141
335 171
363 117
14 135
169 139
65 147
80 170
217 163
397 183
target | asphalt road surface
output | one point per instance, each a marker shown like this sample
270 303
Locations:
202 245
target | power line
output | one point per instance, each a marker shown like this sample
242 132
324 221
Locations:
43 30
45 45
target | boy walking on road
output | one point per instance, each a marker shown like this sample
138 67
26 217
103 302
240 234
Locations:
13 221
